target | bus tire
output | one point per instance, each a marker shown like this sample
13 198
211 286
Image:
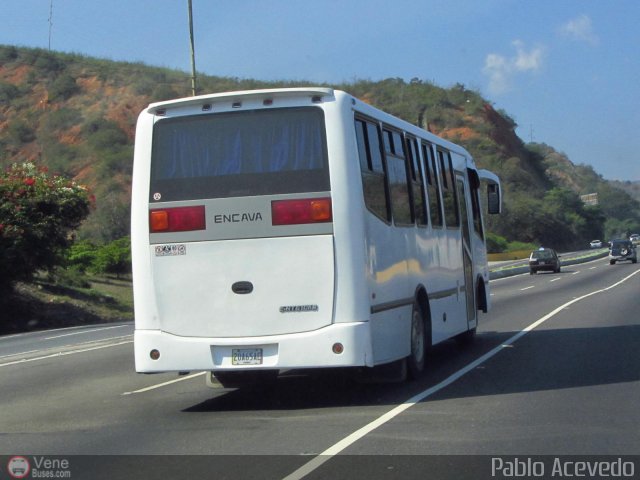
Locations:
417 358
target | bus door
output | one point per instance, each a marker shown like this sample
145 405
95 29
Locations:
466 251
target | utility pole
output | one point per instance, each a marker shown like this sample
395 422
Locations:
193 53
50 21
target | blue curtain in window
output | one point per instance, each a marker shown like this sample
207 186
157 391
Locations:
236 144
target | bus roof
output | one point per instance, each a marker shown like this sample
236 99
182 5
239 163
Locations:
244 94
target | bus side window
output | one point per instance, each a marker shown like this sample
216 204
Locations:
451 214
398 178
417 189
474 193
372 169
433 189
462 205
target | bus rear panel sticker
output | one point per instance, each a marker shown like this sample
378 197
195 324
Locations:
170 250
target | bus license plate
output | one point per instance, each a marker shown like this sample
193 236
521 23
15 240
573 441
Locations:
246 356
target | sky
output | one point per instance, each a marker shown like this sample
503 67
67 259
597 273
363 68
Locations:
566 71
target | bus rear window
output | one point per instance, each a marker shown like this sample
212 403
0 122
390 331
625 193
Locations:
257 152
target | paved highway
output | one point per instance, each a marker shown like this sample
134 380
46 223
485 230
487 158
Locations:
555 371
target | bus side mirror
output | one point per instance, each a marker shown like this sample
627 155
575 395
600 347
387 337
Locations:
494 205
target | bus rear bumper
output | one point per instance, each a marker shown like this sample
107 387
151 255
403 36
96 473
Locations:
313 349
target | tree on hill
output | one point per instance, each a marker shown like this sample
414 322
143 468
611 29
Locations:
38 215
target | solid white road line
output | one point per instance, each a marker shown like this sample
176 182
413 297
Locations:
63 354
86 331
317 461
68 345
159 385
20 353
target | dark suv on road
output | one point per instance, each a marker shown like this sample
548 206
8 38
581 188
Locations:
544 259
620 250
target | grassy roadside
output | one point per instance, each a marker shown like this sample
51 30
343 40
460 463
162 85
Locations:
41 305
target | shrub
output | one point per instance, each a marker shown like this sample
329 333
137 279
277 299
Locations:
48 62
38 214
163 92
114 257
81 256
8 91
517 246
104 134
496 243
63 88
19 132
8 54
61 119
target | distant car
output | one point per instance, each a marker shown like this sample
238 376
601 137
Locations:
544 259
596 244
635 238
621 250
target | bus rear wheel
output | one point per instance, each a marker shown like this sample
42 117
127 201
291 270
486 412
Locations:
417 359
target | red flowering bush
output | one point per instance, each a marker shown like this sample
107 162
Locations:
38 214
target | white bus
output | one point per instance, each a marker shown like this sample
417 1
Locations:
300 228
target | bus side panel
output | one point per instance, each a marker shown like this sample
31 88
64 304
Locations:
365 273
145 311
390 290
456 320
391 332
443 266
351 288
431 275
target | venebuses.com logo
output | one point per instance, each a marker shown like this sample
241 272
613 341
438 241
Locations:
18 467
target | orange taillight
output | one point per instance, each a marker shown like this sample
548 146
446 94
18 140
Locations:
158 221
180 219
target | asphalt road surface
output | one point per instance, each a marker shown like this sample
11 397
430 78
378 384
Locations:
554 372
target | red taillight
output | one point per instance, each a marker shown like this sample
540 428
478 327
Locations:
294 212
180 219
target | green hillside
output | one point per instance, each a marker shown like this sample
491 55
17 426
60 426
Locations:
76 115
